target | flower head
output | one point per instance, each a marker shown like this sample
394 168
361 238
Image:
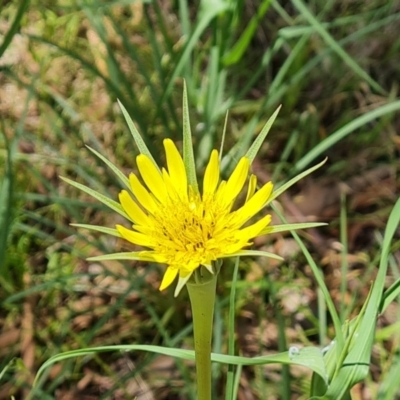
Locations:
186 228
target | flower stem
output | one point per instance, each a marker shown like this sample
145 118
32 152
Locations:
202 299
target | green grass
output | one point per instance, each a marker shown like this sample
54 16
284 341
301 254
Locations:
332 68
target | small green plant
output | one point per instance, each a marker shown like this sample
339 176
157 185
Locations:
200 236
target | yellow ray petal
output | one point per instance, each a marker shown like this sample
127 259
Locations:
176 168
152 177
132 209
236 181
153 256
252 187
254 205
141 194
135 237
211 175
220 193
168 278
235 248
147 230
173 192
254 230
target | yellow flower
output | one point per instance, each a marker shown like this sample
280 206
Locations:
184 228
180 225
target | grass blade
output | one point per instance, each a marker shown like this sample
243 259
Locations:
15 26
321 283
344 131
6 213
237 51
335 46
356 364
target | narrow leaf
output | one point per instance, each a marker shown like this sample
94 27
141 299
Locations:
335 46
345 130
254 253
188 157
255 147
321 283
291 227
136 135
124 180
102 229
98 196
223 135
23 6
310 357
238 50
356 364
132 255
390 295
287 185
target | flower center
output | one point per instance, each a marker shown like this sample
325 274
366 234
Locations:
184 230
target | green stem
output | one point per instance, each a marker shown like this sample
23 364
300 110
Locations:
202 299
